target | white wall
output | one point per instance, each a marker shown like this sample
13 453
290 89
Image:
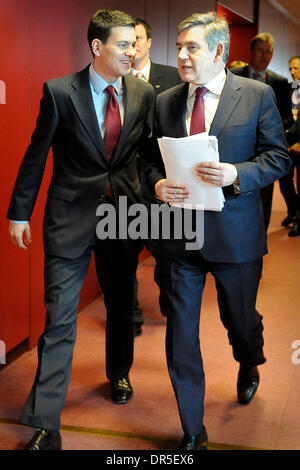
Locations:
286 35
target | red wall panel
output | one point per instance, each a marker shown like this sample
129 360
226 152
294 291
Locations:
14 133
241 33
39 41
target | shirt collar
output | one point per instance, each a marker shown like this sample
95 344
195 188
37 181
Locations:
215 85
252 72
99 84
145 71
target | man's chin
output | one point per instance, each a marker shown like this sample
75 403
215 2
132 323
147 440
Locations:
185 76
126 70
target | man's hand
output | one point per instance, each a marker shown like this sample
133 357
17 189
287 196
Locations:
220 174
171 192
20 234
295 149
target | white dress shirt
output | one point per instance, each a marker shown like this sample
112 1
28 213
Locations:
100 97
260 76
211 100
145 71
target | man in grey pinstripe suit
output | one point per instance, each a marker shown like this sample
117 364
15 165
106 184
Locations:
72 122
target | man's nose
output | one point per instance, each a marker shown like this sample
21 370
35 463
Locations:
131 51
182 53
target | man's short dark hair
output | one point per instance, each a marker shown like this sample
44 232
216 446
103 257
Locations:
146 26
104 20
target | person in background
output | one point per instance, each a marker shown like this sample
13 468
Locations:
253 153
292 195
261 53
96 136
161 78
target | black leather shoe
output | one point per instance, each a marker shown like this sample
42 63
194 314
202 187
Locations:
44 440
121 391
287 221
248 380
195 442
295 230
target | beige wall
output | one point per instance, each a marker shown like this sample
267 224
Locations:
286 35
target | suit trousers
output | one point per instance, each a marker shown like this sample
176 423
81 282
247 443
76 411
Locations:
181 285
288 189
63 282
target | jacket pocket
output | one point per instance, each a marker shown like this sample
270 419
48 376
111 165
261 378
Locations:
61 193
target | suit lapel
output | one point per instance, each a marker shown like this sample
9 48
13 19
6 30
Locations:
155 76
269 78
178 111
131 101
82 100
229 99
154 72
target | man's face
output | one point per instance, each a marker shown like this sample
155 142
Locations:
142 43
115 57
295 69
261 55
196 63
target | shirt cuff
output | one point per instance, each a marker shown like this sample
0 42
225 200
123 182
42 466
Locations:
19 221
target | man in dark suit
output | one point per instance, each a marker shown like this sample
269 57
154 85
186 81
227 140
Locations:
261 53
161 78
97 122
243 115
290 192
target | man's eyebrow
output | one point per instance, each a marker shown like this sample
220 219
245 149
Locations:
190 43
126 42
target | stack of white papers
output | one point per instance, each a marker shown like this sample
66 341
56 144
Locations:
180 157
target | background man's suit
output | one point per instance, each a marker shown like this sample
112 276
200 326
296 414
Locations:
163 77
81 176
281 89
287 187
250 135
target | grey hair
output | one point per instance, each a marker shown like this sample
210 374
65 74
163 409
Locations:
263 37
216 28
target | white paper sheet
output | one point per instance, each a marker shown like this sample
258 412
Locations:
180 157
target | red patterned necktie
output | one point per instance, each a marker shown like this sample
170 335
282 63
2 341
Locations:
198 115
113 122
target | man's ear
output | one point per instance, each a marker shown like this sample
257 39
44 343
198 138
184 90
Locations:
96 47
219 51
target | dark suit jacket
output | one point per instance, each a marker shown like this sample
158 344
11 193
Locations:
67 122
293 133
280 87
163 77
250 135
